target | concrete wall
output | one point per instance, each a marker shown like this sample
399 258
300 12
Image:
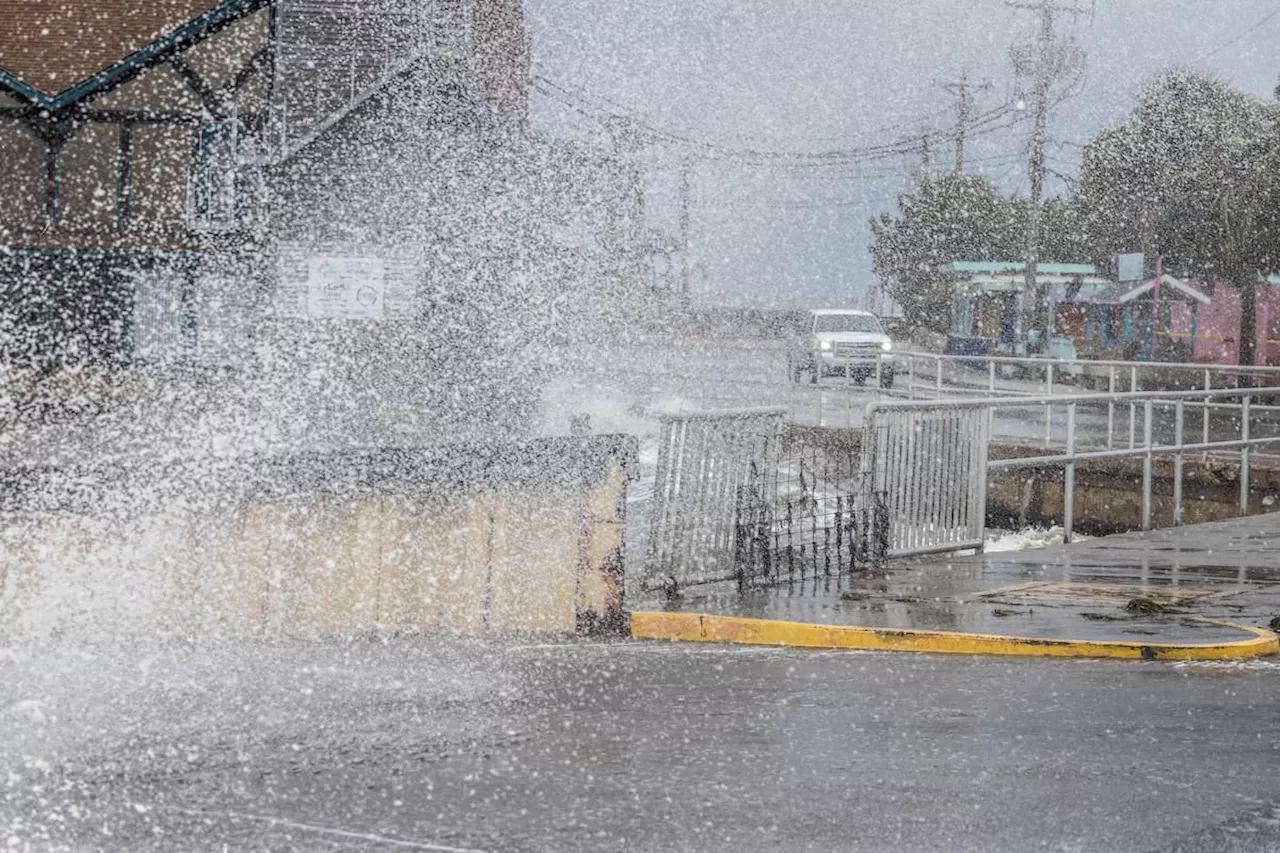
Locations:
504 557
1109 492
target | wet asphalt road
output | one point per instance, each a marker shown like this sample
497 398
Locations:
415 745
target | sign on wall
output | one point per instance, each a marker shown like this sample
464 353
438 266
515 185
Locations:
345 288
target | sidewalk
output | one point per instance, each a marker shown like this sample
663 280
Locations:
1205 592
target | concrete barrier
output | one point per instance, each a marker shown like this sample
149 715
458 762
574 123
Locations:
465 539
1109 492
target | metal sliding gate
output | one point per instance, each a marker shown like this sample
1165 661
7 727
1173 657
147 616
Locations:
739 498
924 478
705 459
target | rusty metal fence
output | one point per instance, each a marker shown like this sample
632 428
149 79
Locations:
799 517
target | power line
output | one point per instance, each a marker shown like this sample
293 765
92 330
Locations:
582 92
716 150
1228 44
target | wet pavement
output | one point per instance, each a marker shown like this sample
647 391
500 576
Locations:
429 745
1156 587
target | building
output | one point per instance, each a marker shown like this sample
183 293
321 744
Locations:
183 177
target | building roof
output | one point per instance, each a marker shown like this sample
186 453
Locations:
1123 292
996 267
54 52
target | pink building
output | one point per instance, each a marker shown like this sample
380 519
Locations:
1214 329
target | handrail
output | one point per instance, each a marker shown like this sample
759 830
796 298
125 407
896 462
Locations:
1065 399
1147 448
1049 361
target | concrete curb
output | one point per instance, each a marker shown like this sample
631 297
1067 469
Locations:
708 628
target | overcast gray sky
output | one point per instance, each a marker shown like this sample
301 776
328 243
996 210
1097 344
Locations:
818 75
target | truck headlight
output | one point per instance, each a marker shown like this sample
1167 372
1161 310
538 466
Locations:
886 346
824 345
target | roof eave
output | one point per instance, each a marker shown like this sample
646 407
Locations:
195 29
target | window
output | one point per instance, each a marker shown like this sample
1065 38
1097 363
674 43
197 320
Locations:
158 317
212 196
846 323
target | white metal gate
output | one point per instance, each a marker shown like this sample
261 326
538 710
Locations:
704 461
924 476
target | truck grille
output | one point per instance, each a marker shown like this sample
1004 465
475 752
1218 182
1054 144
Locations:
857 350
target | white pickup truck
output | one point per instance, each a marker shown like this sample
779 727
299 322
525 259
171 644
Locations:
836 341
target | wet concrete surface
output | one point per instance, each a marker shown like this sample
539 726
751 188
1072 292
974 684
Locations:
1089 590
428 745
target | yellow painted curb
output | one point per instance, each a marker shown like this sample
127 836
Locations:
707 628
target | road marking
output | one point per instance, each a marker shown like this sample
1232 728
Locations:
708 628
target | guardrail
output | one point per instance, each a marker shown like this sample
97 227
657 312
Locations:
837 401
921 509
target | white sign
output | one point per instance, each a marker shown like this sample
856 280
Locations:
345 288
1130 267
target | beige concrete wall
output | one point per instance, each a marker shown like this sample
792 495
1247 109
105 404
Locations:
488 562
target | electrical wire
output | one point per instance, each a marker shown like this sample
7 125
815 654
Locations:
1230 42
714 150
584 93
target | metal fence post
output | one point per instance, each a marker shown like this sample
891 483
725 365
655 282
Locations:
983 472
1048 409
1146 466
1178 420
1111 406
1069 478
1133 409
848 392
1208 385
1244 456
991 376
939 375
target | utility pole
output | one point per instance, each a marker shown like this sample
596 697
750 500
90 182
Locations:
686 169
962 89
1046 66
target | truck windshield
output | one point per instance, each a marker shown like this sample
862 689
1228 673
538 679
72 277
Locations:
845 323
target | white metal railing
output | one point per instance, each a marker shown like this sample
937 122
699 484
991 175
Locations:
1251 425
703 459
931 372
924 478
838 399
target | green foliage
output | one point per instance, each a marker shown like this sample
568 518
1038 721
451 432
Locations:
1189 174
960 218
945 219
1193 173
